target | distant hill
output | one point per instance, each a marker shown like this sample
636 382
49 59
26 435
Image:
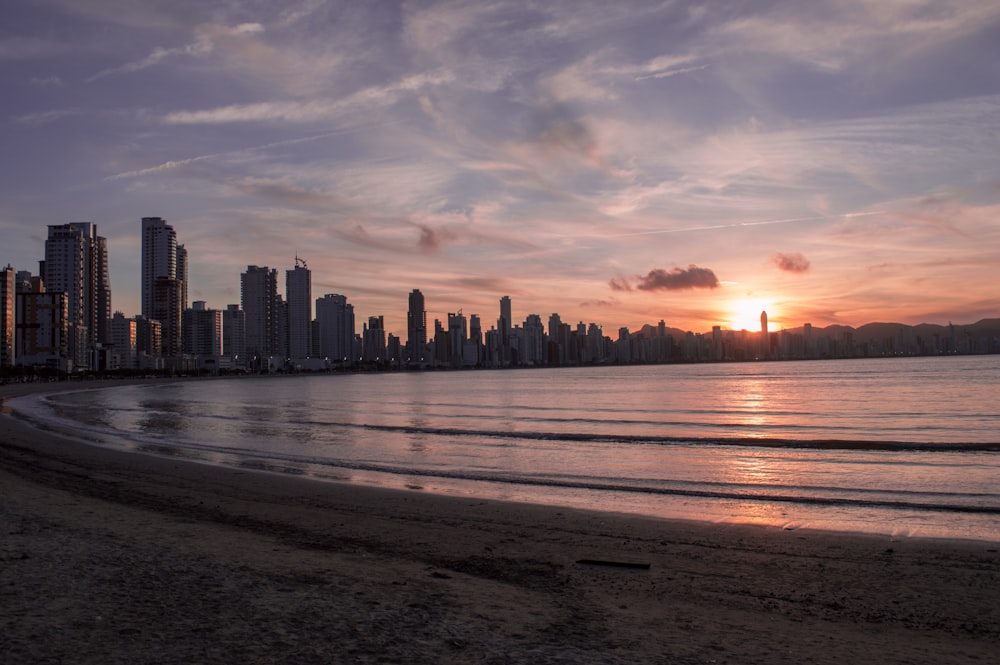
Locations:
869 331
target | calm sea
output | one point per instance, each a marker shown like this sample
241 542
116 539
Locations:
896 446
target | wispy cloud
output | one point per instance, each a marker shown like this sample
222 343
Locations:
372 97
201 47
45 117
793 262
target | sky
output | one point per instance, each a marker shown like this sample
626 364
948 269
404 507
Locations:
618 163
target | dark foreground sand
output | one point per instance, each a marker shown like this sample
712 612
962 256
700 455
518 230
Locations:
109 557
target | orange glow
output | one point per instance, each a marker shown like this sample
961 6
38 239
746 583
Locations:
744 314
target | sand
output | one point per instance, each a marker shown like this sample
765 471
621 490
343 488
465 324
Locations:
116 557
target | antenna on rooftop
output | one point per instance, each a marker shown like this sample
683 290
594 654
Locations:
299 261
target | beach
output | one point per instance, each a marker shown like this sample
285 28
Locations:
118 557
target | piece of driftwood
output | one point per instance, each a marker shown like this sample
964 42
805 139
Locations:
614 564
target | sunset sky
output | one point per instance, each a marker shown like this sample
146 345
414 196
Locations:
617 163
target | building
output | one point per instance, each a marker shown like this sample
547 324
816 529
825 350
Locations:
234 343
503 327
123 336
765 342
457 335
203 335
41 328
148 343
261 307
7 298
76 263
416 329
373 341
164 282
298 293
534 341
335 323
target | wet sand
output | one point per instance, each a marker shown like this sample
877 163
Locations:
114 557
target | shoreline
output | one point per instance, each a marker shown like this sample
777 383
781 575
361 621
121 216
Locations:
111 556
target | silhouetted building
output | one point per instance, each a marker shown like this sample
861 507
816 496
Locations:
234 336
261 307
7 292
335 320
41 327
298 291
164 282
76 263
416 329
124 340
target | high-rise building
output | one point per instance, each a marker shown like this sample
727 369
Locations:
234 335
534 341
76 263
159 258
164 282
457 335
416 329
335 321
261 305
373 340
503 327
7 276
203 335
123 335
765 342
298 293
41 327
148 343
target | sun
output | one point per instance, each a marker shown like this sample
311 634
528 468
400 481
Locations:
744 314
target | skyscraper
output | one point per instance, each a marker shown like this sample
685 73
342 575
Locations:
164 288
41 327
259 293
765 342
76 263
234 335
7 317
373 340
335 321
416 329
298 291
503 326
159 258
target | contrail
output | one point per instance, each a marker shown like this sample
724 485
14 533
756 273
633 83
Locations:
756 222
200 158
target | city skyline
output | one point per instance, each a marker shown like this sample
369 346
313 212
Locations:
832 164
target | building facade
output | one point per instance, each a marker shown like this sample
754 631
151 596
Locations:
298 294
76 263
261 308
416 329
164 282
335 323
7 308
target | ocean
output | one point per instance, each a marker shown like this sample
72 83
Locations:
897 446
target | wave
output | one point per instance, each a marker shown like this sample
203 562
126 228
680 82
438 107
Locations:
863 498
693 432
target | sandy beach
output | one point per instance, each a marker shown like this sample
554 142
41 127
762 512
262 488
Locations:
115 557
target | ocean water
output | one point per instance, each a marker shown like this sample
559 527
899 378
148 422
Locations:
905 447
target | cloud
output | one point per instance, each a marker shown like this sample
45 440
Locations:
619 284
794 262
44 117
433 239
203 45
47 82
319 109
678 279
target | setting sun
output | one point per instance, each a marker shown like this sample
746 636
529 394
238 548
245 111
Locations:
744 314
